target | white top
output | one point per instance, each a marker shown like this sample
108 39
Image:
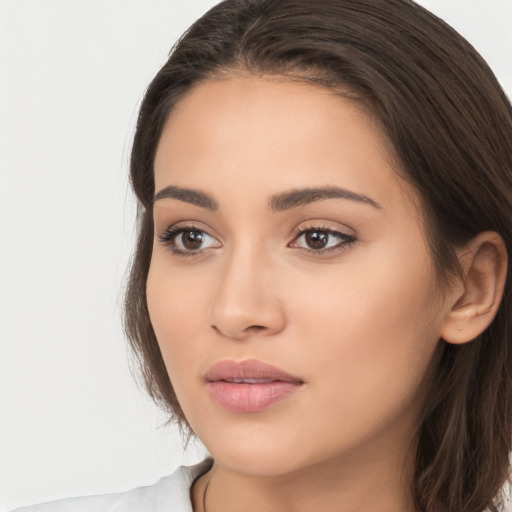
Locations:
169 494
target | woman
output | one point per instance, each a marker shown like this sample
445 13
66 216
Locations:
320 289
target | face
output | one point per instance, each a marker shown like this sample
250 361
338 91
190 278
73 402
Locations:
291 289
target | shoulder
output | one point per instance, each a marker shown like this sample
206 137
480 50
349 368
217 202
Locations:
169 494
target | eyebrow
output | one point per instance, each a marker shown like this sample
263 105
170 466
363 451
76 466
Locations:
301 197
188 195
277 203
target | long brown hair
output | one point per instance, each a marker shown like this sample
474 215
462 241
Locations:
450 125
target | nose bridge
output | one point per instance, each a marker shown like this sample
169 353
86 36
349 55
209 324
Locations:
245 301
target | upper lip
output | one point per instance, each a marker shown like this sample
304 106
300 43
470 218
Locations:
248 369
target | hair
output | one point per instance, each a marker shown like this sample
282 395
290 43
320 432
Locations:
450 126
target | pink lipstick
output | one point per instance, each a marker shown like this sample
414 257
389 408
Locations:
249 385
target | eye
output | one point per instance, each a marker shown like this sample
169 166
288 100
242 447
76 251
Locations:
322 240
188 240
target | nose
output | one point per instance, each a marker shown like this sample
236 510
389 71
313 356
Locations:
247 301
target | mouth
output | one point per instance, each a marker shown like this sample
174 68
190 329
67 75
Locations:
249 385
249 381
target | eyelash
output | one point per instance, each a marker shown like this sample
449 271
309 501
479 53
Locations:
169 236
345 241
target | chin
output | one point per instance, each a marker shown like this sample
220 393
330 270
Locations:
265 452
256 461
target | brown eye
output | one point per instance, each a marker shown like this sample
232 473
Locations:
192 240
188 240
316 239
322 241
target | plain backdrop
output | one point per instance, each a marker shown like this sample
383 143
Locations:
72 73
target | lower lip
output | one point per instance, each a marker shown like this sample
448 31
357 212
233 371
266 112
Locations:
237 397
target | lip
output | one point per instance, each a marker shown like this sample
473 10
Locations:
249 385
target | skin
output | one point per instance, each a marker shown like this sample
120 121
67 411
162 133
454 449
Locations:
359 325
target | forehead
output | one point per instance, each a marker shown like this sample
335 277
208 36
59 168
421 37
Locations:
270 133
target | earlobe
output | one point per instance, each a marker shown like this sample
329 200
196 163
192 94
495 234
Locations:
484 269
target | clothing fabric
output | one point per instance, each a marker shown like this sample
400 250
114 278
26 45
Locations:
169 494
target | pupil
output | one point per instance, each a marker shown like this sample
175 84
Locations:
316 239
192 239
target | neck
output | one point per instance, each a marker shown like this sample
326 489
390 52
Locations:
347 484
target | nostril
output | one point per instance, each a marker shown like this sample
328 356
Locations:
241 334
256 328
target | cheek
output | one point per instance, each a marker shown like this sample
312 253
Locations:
368 328
375 290
176 303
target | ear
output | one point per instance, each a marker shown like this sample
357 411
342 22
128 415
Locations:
476 298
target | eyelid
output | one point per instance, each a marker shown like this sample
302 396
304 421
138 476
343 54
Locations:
168 235
346 239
